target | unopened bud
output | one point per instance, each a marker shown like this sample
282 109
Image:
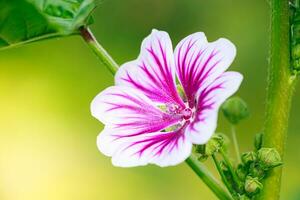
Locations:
296 51
235 110
241 172
252 185
243 197
257 171
258 141
200 149
269 158
214 144
249 157
226 141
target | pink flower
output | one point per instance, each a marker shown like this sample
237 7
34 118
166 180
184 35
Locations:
146 119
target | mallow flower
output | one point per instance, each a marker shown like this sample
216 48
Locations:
148 117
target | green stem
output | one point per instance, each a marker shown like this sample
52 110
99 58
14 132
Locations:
100 52
279 92
230 168
235 144
223 177
207 178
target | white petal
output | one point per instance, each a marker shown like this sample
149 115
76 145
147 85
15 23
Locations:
209 101
153 72
160 148
199 63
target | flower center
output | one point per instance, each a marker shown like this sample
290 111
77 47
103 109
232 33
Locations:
187 113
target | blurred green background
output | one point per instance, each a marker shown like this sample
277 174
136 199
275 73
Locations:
48 137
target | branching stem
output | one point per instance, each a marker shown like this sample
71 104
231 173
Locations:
223 177
200 169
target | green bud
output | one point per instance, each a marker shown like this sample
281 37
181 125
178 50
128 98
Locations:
252 185
257 171
296 51
211 147
200 149
226 141
258 141
235 110
249 157
243 197
214 144
269 158
241 171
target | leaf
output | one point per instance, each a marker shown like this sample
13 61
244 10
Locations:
24 21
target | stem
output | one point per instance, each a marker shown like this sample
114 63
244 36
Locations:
235 144
207 178
223 177
230 168
100 52
279 92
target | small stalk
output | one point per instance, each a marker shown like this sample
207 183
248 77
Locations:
100 52
223 177
202 172
235 144
230 168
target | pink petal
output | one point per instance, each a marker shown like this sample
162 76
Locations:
199 63
127 108
153 72
209 101
160 148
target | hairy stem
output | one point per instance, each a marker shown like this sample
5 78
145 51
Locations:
279 92
207 178
100 52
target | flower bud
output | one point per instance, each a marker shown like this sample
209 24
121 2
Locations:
243 197
226 141
257 171
200 149
235 109
268 158
249 157
258 141
211 147
252 185
214 144
241 171
296 51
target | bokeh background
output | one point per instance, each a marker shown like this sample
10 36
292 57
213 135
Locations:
48 137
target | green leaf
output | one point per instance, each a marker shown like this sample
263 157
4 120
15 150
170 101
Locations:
24 21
